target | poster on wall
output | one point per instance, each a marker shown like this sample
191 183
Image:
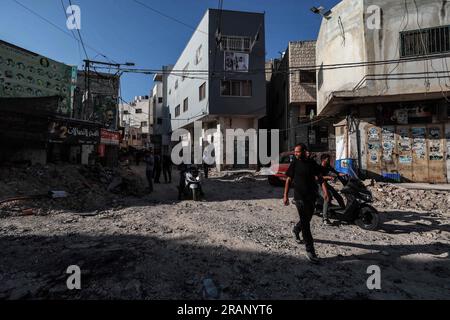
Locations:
419 142
436 152
404 142
24 74
236 61
388 144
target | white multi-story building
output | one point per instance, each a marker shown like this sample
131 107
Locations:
136 115
219 78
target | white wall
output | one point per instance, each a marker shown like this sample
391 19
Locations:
189 88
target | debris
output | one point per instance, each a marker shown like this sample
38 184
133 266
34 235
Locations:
210 291
28 212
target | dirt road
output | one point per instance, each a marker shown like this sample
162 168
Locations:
159 248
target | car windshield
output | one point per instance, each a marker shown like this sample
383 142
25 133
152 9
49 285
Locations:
286 159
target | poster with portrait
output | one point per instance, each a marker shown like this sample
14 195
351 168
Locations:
236 61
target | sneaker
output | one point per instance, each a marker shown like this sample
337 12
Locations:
327 222
312 257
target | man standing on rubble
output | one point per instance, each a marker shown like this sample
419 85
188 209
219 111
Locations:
150 161
304 173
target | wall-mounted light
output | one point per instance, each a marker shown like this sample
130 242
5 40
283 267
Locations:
321 10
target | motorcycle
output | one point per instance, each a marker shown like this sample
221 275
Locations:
356 208
192 184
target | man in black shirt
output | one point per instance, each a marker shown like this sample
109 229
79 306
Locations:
304 173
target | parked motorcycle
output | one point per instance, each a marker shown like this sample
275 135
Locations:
192 184
356 207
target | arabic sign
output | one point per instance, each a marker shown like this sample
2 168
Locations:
72 133
236 61
24 74
109 137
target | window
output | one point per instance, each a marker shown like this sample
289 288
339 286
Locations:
126 112
202 92
185 71
425 41
236 88
160 100
231 43
186 105
307 76
177 111
198 55
176 84
144 124
138 111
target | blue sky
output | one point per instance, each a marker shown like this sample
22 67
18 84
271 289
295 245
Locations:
125 31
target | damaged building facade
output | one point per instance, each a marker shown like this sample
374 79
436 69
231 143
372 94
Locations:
383 70
292 106
212 80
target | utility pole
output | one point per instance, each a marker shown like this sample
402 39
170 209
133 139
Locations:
87 81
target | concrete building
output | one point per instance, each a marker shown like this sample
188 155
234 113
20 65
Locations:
213 82
159 115
394 103
292 104
136 115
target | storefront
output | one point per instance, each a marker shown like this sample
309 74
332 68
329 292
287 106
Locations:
407 142
109 147
72 141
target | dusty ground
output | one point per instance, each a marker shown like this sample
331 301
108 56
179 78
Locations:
156 247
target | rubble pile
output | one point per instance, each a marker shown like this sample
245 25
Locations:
87 188
395 197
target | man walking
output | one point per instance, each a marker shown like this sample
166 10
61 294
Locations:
157 168
150 161
304 172
167 168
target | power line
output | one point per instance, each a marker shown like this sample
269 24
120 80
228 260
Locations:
57 27
290 70
170 17
79 35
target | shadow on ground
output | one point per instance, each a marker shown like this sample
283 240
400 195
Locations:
137 267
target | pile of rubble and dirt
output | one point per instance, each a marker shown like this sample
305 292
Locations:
391 196
28 190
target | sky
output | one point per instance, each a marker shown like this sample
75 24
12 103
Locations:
125 31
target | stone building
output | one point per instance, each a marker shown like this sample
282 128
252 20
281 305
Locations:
292 104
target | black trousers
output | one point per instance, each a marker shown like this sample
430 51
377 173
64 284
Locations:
206 170
305 209
157 174
149 174
167 174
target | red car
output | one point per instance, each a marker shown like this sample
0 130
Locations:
278 176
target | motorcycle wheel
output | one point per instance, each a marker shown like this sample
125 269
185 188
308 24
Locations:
368 219
194 195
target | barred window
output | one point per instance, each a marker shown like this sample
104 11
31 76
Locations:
177 111
230 43
425 41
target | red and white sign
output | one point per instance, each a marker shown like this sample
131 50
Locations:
109 137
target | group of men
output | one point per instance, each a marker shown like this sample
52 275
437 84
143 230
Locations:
310 180
154 165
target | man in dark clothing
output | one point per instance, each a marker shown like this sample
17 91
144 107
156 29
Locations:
167 168
150 161
329 174
304 173
157 168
